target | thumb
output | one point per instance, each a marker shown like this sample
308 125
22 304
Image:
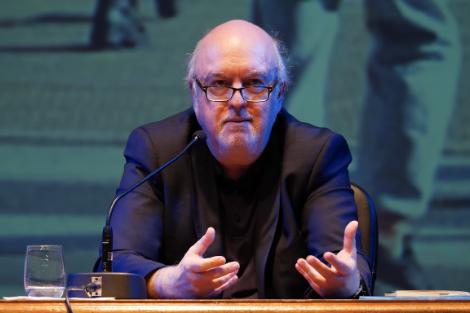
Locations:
349 241
201 246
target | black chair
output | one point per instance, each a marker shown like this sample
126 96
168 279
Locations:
367 219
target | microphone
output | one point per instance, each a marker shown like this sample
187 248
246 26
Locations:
107 283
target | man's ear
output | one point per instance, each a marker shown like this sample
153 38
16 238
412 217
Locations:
191 86
282 91
192 89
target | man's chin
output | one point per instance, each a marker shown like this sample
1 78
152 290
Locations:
238 140
236 148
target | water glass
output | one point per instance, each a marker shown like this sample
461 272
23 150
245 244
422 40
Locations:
44 274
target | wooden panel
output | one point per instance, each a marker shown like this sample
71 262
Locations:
218 306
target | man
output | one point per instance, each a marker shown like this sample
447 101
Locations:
274 189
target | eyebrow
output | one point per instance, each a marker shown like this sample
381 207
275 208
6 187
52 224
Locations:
262 74
214 75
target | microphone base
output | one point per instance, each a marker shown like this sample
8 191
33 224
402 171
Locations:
104 284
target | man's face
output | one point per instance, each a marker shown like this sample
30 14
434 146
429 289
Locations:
237 130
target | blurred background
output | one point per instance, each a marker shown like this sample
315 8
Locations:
66 109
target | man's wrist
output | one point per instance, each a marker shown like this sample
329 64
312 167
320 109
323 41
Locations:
156 287
152 285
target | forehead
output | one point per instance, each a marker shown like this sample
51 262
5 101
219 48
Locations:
235 57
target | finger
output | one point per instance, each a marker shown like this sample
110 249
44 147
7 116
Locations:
337 263
230 280
320 267
314 275
201 246
231 267
349 241
220 281
307 277
203 265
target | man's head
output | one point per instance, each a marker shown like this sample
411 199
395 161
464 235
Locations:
237 54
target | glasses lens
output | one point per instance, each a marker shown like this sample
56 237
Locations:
256 93
219 93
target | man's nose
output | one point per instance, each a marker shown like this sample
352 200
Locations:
237 100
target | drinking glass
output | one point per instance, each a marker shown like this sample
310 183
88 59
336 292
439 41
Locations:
44 274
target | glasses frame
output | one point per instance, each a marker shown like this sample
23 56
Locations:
204 88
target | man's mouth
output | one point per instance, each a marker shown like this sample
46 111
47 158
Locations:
237 120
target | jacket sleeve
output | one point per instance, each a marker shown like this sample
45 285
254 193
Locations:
137 217
330 204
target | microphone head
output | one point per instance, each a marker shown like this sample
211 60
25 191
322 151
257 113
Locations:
199 135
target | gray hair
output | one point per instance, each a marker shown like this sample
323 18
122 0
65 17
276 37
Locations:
279 51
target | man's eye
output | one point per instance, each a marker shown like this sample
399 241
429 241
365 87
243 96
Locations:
254 82
219 83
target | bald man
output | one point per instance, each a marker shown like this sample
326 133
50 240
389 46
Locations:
263 209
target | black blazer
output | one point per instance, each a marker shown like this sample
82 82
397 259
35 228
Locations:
304 203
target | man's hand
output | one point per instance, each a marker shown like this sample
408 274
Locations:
195 276
341 278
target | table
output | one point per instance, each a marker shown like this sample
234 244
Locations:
245 306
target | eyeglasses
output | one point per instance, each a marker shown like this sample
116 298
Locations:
223 93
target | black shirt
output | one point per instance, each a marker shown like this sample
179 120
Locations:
238 208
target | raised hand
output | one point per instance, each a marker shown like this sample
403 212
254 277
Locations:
339 279
194 276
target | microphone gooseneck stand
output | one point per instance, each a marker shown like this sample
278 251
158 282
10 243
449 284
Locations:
109 283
